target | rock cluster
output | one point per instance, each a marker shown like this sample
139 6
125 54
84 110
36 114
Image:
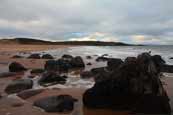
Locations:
65 63
133 85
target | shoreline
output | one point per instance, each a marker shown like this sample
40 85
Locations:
6 103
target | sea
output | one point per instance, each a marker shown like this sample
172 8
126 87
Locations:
116 51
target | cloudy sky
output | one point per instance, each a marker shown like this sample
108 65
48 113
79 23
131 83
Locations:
130 21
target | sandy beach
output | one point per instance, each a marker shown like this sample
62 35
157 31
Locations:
15 106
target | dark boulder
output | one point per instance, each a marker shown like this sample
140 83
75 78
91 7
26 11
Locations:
47 56
29 93
51 78
34 56
134 85
64 65
16 67
77 62
19 85
86 74
61 103
114 63
37 71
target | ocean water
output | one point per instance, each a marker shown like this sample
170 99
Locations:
116 51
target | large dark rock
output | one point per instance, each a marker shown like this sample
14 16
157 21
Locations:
64 65
124 87
167 68
34 56
47 56
61 103
17 86
51 78
77 62
16 67
114 63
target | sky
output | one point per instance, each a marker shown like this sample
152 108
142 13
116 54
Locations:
129 21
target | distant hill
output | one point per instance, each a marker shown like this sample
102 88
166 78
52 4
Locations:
31 41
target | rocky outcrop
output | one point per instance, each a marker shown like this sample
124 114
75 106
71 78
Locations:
17 86
47 56
16 67
61 103
51 78
114 63
133 85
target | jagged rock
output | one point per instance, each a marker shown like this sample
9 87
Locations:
29 93
47 56
61 103
114 63
34 56
51 78
77 62
19 85
37 71
17 56
125 87
16 67
86 74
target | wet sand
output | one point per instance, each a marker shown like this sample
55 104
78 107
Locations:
16 106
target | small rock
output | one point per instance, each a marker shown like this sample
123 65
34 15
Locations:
51 78
171 58
47 56
37 71
67 57
88 57
61 103
89 63
17 56
29 93
16 67
19 85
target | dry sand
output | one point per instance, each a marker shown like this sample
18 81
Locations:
13 106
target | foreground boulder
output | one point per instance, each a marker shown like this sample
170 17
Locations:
16 67
47 56
51 78
34 56
133 86
17 86
61 103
